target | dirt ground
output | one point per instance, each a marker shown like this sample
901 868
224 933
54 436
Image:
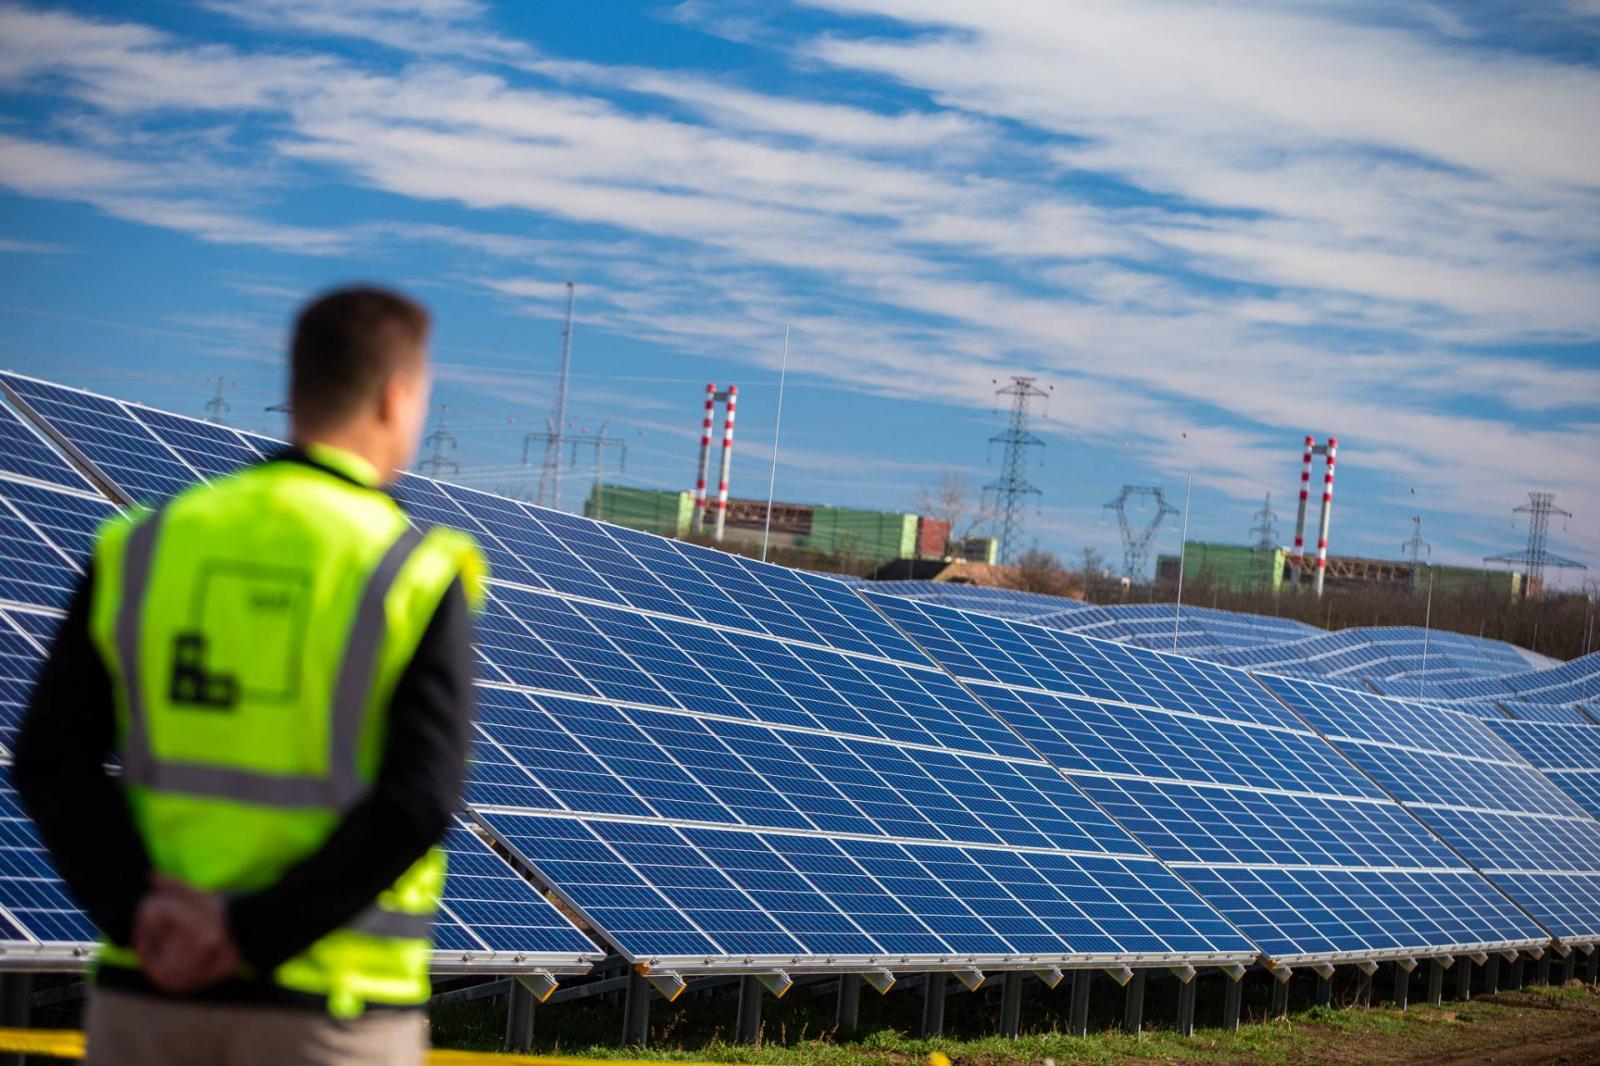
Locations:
1509 1029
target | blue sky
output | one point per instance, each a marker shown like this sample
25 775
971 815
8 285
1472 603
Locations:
1211 228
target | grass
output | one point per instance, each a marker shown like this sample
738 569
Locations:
1281 1041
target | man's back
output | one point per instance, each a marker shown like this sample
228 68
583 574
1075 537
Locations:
282 666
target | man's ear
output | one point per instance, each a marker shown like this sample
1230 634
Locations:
391 398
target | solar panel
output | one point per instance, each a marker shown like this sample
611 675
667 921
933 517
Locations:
1567 753
39 922
1477 794
20 661
107 435
1269 824
24 454
45 534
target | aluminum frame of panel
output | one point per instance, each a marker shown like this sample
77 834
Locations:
1472 790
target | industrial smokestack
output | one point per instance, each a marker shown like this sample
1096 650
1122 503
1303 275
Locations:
727 461
1297 559
1327 511
705 460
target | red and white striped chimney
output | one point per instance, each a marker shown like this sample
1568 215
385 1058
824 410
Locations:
727 461
1297 558
699 519
1327 511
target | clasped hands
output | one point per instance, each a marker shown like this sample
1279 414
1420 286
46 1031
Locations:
182 937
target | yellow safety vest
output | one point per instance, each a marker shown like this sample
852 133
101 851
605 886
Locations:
255 629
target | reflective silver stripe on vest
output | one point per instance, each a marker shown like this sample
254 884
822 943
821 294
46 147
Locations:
376 921
136 556
356 672
343 784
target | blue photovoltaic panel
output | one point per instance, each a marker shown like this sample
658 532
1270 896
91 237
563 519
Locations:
1271 826
120 447
1566 753
25 454
212 450
669 891
488 906
33 900
1476 793
20 660
44 535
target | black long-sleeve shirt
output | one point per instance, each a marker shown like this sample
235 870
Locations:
84 819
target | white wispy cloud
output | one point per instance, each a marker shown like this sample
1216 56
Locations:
1320 217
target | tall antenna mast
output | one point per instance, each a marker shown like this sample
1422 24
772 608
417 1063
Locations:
440 443
550 477
1012 489
1416 547
1136 542
1534 558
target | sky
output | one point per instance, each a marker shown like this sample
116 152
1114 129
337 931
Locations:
1205 229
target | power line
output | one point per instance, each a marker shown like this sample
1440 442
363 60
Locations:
1012 489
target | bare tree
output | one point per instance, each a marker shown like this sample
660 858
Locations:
1094 564
952 499
1040 571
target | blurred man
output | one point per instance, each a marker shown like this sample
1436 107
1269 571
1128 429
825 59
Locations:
281 666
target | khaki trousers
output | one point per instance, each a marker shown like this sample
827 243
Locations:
133 1030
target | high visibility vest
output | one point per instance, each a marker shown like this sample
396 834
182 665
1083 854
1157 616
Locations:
255 630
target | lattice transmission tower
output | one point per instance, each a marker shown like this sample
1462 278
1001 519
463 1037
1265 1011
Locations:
1010 491
439 444
1535 557
217 407
556 430
1416 547
1265 532
1136 540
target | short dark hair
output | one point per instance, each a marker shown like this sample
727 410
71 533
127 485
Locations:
347 343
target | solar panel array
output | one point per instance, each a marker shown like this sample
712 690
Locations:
491 916
710 759
1475 792
1575 681
1271 826
718 765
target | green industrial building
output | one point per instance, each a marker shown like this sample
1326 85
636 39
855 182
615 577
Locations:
1241 568
874 536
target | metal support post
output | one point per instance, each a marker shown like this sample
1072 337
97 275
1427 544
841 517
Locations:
1544 969
933 1004
848 1015
1463 979
1402 986
1516 972
1133 1005
1080 1002
1569 969
519 1018
1186 1007
1324 993
1436 982
1011 1004
1232 1000
749 1010
1280 998
1364 991
1491 975
1594 967
636 1010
